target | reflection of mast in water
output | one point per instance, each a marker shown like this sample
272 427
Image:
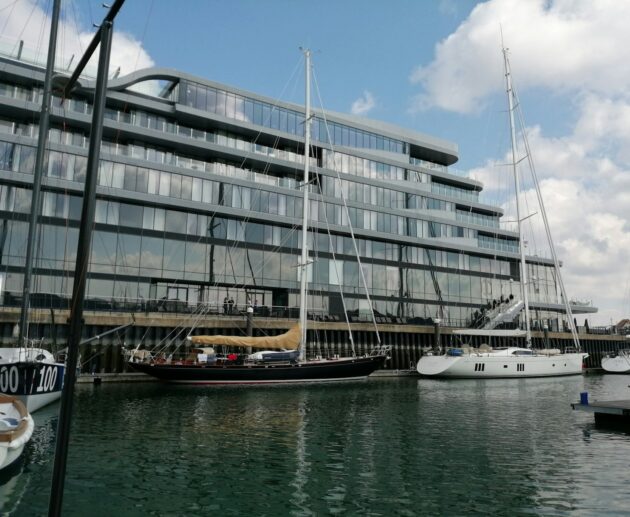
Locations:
303 467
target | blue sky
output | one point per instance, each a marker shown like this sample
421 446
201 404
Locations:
430 66
358 46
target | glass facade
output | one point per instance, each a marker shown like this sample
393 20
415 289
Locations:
239 107
195 213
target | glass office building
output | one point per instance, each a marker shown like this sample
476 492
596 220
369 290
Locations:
199 200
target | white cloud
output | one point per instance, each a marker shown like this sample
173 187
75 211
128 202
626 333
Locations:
586 197
574 50
25 20
364 104
565 45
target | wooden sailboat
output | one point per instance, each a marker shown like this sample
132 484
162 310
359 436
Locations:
281 359
512 362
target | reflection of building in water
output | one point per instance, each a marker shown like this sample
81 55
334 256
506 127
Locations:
199 196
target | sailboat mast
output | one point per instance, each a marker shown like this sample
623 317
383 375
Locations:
521 246
38 174
305 184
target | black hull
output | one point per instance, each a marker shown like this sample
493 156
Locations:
34 383
315 371
31 378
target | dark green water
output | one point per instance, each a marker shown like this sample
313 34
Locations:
402 446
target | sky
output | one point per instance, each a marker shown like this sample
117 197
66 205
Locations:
430 66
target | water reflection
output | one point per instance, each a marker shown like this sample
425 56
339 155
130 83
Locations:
383 447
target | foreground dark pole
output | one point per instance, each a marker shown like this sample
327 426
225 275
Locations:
113 11
36 198
80 274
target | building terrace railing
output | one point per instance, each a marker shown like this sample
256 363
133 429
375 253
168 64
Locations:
173 306
438 167
215 308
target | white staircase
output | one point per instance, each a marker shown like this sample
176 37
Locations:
503 313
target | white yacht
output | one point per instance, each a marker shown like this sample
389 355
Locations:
486 362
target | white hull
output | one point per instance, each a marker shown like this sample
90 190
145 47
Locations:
617 364
8 456
496 365
35 402
32 375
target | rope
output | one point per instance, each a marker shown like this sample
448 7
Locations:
354 243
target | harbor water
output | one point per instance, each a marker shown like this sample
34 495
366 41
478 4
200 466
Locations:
386 446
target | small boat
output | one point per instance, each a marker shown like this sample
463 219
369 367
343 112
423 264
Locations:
279 359
617 362
16 428
32 375
515 361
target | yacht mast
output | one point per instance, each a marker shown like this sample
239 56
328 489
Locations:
305 184
521 246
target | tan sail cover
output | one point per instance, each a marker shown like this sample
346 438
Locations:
288 341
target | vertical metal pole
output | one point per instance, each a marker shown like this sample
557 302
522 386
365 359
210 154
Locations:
250 325
304 258
517 189
437 339
37 176
546 335
249 315
80 274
